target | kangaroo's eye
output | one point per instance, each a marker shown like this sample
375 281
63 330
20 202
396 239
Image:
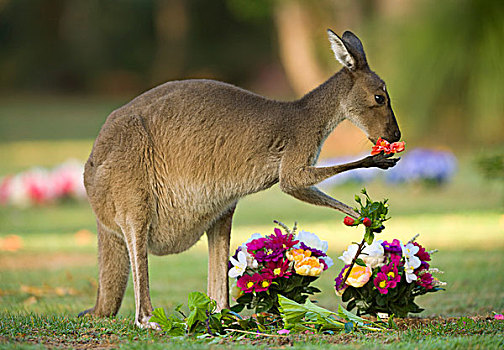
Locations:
380 99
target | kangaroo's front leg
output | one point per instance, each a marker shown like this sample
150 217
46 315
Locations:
135 234
295 177
218 255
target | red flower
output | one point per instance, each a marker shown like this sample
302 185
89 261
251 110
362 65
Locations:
397 147
367 222
386 147
381 145
422 253
348 221
426 280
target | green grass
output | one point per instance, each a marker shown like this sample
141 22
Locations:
53 276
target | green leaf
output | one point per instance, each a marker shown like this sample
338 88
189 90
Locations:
237 308
159 317
199 303
360 262
369 236
293 315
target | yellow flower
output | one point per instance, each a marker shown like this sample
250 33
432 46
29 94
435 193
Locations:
359 275
297 254
309 266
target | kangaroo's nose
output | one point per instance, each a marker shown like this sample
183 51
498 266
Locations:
397 135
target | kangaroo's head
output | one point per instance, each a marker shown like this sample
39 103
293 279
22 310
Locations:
367 103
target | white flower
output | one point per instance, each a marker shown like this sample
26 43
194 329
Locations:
311 240
239 265
409 250
349 254
374 254
409 272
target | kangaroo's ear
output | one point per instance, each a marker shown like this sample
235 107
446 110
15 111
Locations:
354 46
341 52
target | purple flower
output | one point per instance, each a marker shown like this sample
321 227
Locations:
315 252
270 253
381 283
338 282
394 247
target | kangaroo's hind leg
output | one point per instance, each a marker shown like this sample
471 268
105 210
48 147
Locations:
218 255
136 232
113 264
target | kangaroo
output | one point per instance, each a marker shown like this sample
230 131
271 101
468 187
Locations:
172 164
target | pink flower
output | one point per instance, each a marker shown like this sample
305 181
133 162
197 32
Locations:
283 331
381 283
395 259
276 269
247 283
392 274
263 283
498 317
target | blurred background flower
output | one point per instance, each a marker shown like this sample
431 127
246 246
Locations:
38 186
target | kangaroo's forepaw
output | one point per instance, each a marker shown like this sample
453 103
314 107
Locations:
145 323
384 161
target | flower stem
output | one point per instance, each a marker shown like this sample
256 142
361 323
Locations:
359 251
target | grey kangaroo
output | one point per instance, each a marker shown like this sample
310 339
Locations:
172 164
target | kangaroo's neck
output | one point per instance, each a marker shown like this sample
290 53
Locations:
323 104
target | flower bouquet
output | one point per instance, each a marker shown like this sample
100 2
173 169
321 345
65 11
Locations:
279 264
381 276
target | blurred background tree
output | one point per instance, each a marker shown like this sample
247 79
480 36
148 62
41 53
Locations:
443 61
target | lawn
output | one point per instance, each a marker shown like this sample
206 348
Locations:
52 277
